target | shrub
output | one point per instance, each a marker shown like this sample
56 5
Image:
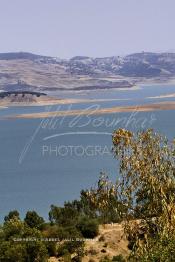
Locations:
21 251
92 251
105 259
71 247
102 238
89 228
36 251
11 252
118 258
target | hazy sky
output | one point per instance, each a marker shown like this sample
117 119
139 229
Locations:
67 28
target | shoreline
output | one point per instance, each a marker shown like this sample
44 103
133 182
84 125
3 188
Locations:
53 100
171 95
155 82
65 101
166 105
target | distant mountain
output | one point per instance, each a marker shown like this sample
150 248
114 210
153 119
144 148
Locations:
26 71
20 55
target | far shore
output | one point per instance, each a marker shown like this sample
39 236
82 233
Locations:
162 96
155 82
167 105
54 101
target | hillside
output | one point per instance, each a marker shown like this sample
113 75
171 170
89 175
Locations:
30 72
110 242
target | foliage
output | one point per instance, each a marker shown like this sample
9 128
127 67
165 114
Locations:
13 228
118 258
36 251
13 248
160 249
11 252
64 216
11 214
72 247
105 259
88 227
147 187
103 201
33 220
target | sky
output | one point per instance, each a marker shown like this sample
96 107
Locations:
96 28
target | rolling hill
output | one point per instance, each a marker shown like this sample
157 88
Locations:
30 72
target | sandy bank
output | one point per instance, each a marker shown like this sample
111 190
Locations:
167 105
162 96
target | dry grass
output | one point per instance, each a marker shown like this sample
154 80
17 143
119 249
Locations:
111 241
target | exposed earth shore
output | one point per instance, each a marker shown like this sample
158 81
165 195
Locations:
166 105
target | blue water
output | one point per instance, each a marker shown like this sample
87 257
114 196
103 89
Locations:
123 98
143 92
35 181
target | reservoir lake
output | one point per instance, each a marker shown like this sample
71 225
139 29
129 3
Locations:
49 161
